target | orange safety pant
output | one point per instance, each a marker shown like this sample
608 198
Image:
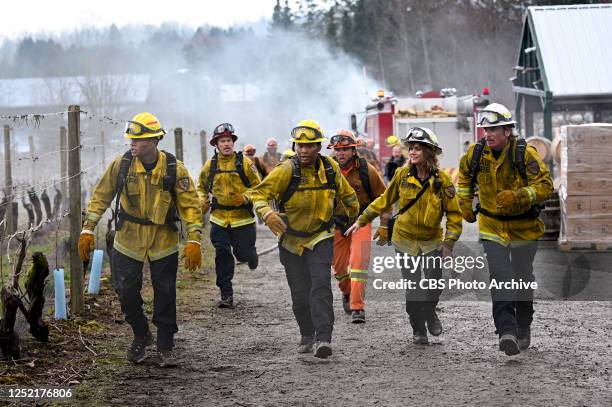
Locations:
351 262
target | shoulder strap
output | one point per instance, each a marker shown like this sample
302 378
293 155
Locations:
293 184
212 172
330 174
240 169
365 177
475 163
169 183
416 198
124 168
521 148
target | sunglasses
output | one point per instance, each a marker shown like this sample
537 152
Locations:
305 132
137 129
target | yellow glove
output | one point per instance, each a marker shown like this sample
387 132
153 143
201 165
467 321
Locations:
237 199
275 223
193 255
86 245
382 233
205 206
468 215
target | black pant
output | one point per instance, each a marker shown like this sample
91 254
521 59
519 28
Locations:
309 278
512 309
126 278
421 303
241 241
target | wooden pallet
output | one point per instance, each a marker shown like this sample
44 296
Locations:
585 246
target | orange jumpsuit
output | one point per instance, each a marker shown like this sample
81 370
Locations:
352 253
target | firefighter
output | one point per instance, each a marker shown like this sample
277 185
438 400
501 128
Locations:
271 157
352 253
305 188
287 154
425 194
152 188
512 181
223 180
249 151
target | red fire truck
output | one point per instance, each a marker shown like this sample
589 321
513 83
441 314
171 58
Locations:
451 117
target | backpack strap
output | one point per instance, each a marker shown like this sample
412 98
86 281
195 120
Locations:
293 184
521 148
212 172
240 169
475 163
330 174
124 168
365 178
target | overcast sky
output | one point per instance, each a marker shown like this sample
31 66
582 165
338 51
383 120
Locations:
33 16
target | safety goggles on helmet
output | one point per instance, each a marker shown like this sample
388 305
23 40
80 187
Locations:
137 129
224 128
306 133
250 151
416 134
340 140
492 118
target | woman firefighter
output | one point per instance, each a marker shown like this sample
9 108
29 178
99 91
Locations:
424 194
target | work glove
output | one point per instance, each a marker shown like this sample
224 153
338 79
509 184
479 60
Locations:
382 233
275 223
193 255
506 198
237 199
469 215
205 206
86 244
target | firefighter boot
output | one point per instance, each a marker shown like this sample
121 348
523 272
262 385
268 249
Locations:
524 338
136 352
358 317
166 358
226 302
306 344
322 350
434 326
509 344
346 303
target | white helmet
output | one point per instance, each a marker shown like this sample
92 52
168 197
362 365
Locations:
495 115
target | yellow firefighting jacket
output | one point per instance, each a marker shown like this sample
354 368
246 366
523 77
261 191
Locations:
307 209
499 174
143 197
227 183
419 228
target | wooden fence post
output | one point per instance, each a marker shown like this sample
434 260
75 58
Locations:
203 146
74 174
8 224
178 143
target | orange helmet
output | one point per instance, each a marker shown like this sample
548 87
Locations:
344 139
249 148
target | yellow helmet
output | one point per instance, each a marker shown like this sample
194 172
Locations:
144 125
287 155
307 131
393 141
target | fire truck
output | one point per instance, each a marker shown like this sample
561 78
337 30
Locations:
451 117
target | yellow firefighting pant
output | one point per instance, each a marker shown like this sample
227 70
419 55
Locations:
351 262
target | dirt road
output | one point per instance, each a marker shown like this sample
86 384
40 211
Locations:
247 357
